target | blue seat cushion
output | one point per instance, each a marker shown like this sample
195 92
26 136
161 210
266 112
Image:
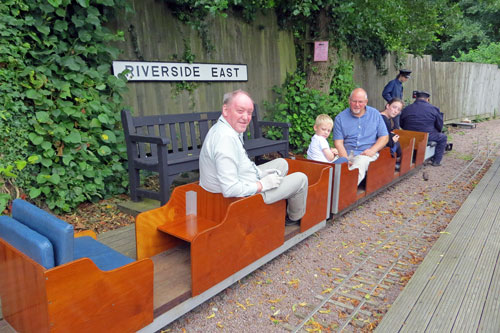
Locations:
59 233
103 256
30 242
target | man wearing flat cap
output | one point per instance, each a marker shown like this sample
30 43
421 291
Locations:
422 116
394 89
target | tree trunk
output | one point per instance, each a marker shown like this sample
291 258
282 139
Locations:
320 73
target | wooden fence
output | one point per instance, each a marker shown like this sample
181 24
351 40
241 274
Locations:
155 35
460 89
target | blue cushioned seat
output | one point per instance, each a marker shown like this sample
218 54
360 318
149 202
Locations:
28 241
59 233
103 256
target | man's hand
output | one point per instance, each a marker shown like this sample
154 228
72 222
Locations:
269 172
270 181
369 152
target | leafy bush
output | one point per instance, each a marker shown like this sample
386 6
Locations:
486 53
300 105
59 102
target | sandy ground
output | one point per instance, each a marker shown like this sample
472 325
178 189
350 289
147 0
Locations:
274 297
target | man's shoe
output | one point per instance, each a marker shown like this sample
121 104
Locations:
436 164
288 221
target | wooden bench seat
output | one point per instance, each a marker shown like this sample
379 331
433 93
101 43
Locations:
170 144
187 227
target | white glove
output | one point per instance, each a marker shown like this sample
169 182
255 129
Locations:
270 181
269 172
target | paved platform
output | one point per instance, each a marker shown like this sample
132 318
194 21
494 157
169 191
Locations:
457 286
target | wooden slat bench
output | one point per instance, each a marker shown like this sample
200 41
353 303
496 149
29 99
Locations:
171 144
456 287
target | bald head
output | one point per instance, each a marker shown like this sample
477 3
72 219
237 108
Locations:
358 101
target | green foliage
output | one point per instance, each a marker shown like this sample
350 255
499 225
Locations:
59 102
300 105
467 24
488 54
195 13
7 176
369 28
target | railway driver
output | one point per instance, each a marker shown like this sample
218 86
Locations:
422 116
359 133
225 167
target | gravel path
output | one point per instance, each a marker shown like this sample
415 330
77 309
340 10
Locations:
278 296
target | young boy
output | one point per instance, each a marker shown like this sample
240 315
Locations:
319 149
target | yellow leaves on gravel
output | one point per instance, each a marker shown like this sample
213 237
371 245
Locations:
294 283
274 300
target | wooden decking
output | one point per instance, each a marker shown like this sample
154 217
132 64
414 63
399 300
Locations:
457 286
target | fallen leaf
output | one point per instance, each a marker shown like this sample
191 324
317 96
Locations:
274 300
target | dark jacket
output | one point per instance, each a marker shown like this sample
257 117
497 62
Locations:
392 90
422 116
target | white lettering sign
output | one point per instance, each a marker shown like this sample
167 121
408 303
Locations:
174 71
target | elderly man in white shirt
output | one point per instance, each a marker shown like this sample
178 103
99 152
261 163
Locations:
225 167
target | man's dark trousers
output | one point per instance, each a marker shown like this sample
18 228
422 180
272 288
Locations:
441 140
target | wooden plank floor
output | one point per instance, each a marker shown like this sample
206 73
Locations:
121 240
457 286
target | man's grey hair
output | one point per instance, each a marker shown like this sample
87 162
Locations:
228 97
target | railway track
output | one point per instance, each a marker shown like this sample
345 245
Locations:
354 301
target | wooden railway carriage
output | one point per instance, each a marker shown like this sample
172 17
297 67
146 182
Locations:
187 250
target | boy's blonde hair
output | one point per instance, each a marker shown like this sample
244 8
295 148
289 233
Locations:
323 119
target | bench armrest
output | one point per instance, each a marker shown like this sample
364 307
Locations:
149 139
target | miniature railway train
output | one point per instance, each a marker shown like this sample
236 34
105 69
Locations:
188 250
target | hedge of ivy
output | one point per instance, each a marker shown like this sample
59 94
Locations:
299 105
60 136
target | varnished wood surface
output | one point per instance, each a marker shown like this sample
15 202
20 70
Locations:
407 146
349 192
318 176
457 286
187 227
151 241
83 233
22 289
249 230
381 171
82 298
420 144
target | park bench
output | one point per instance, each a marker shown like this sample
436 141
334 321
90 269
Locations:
170 144
54 280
